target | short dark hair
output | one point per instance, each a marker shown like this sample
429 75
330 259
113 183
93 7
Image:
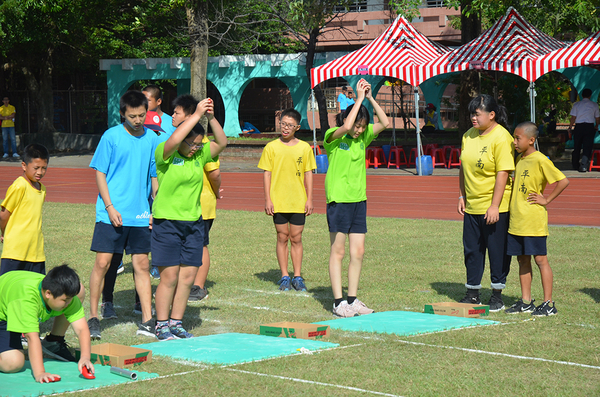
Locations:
62 280
154 90
293 113
487 103
530 129
35 151
586 93
186 102
363 113
132 99
197 130
344 88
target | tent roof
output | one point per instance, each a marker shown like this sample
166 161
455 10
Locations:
511 45
581 53
395 53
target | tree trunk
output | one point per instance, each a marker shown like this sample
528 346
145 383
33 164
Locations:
42 94
469 80
197 20
319 96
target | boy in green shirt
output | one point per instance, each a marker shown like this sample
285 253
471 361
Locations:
27 299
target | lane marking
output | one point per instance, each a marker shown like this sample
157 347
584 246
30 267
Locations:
501 354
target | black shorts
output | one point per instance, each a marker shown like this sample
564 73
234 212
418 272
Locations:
526 245
294 218
8 265
207 226
177 243
9 340
347 217
115 240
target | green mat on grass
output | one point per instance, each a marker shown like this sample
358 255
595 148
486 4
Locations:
404 323
23 384
232 348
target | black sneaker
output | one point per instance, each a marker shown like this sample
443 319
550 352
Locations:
197 293
108 311
496 304
545 309
57 350
472 297
148 328
94 326
521 307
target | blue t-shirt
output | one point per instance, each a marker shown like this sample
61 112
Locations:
342 100
128 163
167 125
247 127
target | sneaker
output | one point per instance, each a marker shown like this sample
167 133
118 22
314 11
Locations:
5 156
471 298
298 283
148 328
16 156
360 307
521 307
344 310
545 309
154 273
137 309
180 332
197 293
108 311
94 326
120 269
57 350
496 304
164 333
24 340
285 283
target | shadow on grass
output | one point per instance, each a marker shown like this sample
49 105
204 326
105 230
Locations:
272 275
456 291
593 292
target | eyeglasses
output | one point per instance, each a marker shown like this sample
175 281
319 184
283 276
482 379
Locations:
194 145
286 125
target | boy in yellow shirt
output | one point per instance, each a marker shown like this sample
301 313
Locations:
288 184
528 224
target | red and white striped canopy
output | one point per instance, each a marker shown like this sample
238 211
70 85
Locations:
511 45
396 53
581 53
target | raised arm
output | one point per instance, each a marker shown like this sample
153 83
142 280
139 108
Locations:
220 141
382 120
184 128
351 119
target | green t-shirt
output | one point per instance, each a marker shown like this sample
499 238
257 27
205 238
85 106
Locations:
22 305
180 181
346 180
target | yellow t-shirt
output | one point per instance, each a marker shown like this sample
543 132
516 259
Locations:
287 165
532 174
7 111
23 238
482 157
208 198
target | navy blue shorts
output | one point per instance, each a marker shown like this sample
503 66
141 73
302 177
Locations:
526 245
8 265
294 218
207 226
177 243
9 340
347 217
115 240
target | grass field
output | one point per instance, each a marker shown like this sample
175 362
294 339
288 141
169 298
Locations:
408 263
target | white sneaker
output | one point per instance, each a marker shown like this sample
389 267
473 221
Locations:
5 156
344 310
360 307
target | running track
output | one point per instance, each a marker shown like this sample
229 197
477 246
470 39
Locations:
393 196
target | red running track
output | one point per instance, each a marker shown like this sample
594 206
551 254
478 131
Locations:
396 196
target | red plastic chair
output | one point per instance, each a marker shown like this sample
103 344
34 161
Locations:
454 158
397 157
438 158
412 158
318 148
595 155
375 157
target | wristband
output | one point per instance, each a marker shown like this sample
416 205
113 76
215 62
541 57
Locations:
110 205
461 197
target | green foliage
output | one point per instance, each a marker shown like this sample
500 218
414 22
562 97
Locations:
409 9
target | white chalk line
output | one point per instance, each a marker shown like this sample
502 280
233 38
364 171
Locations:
501 354
312 382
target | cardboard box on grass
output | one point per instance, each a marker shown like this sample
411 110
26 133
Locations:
457 309
117 355
286 329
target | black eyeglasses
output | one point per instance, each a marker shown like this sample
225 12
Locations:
193 145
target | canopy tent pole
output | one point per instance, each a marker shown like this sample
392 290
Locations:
532 95
312 97
419 147
394 117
